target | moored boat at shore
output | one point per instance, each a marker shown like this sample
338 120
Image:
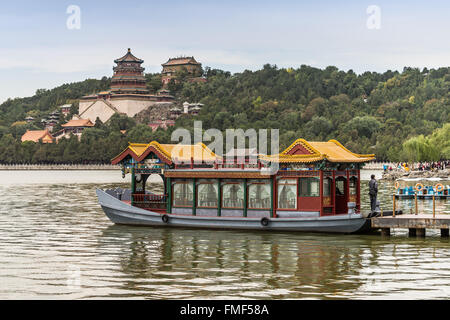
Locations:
315 187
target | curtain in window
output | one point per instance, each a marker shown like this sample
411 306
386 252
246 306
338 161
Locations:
287 194
259 196
207 195
352 185
182 194
233 195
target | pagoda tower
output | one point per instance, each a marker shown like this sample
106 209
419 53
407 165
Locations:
128 76
128 93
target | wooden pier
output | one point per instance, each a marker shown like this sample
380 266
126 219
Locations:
417 224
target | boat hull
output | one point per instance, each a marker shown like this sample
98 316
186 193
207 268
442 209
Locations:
120 212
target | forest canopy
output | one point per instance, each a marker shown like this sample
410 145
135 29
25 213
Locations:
398 116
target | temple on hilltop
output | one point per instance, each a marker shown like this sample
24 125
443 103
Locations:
174 65
128 75
128 93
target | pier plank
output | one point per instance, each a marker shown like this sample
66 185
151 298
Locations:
407 221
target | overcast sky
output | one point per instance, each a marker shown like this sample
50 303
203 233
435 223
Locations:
39 50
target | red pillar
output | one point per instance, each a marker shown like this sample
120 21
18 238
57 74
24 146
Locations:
347 196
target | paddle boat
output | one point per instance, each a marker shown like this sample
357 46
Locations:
316 188
439 191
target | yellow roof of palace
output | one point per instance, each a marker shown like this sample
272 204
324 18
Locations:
36 135
78 123
331 150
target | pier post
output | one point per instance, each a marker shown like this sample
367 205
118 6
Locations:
412 232
415 200
393 205
434 207
444 233
420 232
385 232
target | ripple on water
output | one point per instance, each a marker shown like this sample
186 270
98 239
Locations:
55 242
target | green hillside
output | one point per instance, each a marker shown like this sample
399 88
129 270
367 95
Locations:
368 113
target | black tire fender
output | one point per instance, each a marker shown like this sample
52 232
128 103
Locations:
165 218
265 222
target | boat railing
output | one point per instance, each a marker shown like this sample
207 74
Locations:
153 201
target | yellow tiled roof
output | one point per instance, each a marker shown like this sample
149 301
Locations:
331 150
172 152
36 135
185 152
138 148
78 123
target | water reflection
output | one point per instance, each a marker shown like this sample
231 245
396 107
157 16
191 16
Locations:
227 264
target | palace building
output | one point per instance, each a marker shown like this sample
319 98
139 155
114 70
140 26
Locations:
174 65
128 93
128 76
43 136
75 127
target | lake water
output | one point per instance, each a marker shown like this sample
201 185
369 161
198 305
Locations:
56 243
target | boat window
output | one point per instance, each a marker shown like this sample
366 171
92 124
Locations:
353 184
327 187
259 195
139 183
207 195
340 189
287 193
233 195
309 187
182 194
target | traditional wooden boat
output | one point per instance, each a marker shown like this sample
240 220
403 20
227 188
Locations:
315 189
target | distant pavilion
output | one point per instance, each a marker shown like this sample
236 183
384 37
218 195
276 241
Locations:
43 136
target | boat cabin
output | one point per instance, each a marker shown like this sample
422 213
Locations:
313 179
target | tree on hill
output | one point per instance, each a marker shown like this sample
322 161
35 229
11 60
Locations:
382 113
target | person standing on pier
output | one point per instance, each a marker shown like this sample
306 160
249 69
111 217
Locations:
373 191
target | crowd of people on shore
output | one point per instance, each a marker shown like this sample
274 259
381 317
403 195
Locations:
435 165
421 166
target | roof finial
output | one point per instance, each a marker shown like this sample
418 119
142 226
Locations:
129 50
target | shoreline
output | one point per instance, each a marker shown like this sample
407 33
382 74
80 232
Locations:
401 175
21 167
